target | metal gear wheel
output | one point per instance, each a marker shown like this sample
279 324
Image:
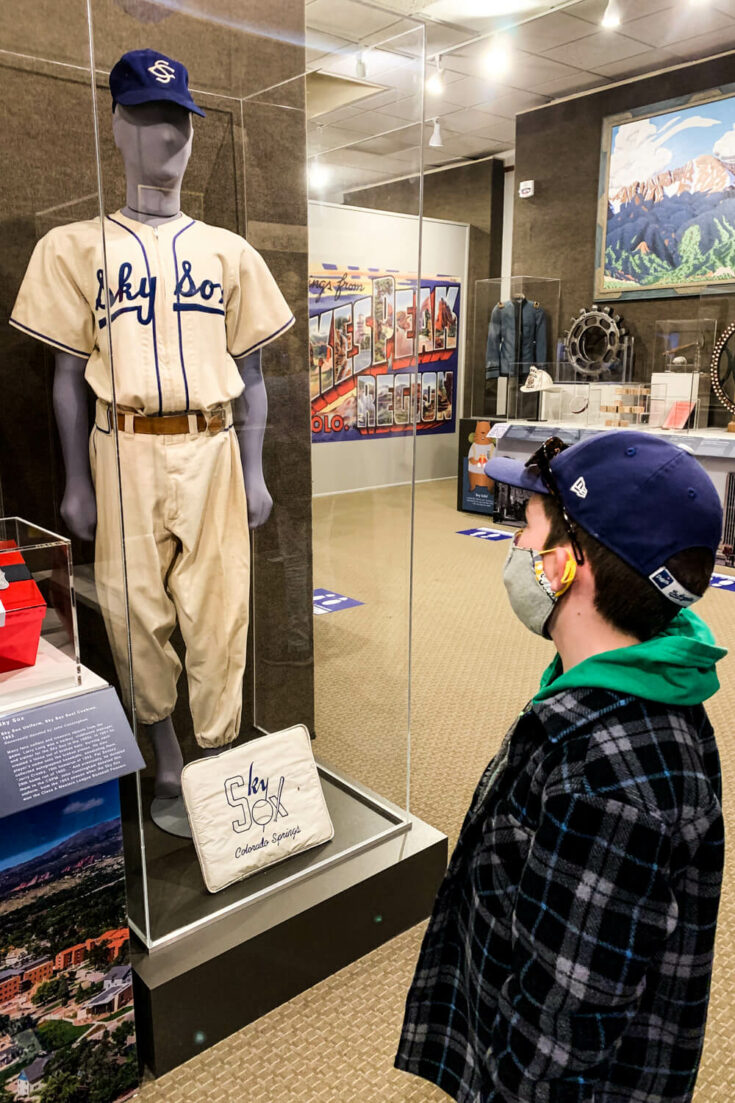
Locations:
595 340
722 366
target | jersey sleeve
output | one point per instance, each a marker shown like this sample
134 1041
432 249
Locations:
256 311
51 305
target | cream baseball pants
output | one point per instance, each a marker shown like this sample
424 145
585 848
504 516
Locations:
187 555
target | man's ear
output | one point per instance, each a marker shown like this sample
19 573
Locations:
560 567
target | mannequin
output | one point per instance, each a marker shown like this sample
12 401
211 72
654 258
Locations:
155 140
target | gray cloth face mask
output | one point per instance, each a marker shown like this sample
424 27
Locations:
529 591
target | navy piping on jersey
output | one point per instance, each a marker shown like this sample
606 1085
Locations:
177 308
180 307
155 338
265 340
50 340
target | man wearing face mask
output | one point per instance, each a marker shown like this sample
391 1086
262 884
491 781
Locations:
569 956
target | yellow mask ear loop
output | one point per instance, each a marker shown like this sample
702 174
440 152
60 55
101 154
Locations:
570 572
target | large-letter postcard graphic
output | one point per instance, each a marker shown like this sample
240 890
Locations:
367 330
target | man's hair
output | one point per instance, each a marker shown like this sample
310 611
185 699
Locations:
623 597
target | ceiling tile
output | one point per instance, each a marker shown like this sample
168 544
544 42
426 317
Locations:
704 45
319 44
564 86
381 66
598 49
646 62
467 146
509 104
390 144
593 10
354 158
347 18
372 122
467 92
683 22
409 157
333 118
321 139
410 108
434 158
379 100
524 69
398 7
470 120
441 37
553 30
461 15
386 35
527 70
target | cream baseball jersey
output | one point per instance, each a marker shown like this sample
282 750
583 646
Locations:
184 300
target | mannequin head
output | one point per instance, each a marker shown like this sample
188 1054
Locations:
155 141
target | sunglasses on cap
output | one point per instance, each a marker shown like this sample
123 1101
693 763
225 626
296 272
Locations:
540 462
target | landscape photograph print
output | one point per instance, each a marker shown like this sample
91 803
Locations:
666 223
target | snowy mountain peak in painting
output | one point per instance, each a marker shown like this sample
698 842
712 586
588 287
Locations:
704 174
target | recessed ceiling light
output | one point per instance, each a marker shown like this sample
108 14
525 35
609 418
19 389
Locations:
319 175
435 83
498 57
611 18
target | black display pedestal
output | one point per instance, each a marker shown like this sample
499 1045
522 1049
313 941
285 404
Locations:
205 984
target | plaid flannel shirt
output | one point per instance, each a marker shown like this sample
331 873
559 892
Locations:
569 955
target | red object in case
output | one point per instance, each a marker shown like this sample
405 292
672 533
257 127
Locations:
24 612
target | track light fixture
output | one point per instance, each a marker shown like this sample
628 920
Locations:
435 141
361 66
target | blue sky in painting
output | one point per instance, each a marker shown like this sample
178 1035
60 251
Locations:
28 834
693 143
644 146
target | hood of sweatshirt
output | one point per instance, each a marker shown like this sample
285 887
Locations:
676 668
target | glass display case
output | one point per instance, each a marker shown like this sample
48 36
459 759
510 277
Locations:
516 325
149 296
716 314
39 645
680 380
606 405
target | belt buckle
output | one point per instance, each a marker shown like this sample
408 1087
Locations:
216 419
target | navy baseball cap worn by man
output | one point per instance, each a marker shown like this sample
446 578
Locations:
569 956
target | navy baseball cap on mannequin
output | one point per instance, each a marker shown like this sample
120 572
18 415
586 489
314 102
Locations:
142 76
641 496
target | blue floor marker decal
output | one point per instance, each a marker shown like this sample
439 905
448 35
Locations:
327 601
485 533
723 582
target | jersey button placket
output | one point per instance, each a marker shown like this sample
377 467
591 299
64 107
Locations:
170 397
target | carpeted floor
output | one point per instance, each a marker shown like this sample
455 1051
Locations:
474 667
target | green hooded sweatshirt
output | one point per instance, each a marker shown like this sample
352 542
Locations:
676 668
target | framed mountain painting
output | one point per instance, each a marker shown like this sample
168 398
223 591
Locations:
666 214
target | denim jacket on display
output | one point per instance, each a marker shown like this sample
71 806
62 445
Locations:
517 322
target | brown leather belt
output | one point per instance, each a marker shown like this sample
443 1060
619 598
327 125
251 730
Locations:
171 424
